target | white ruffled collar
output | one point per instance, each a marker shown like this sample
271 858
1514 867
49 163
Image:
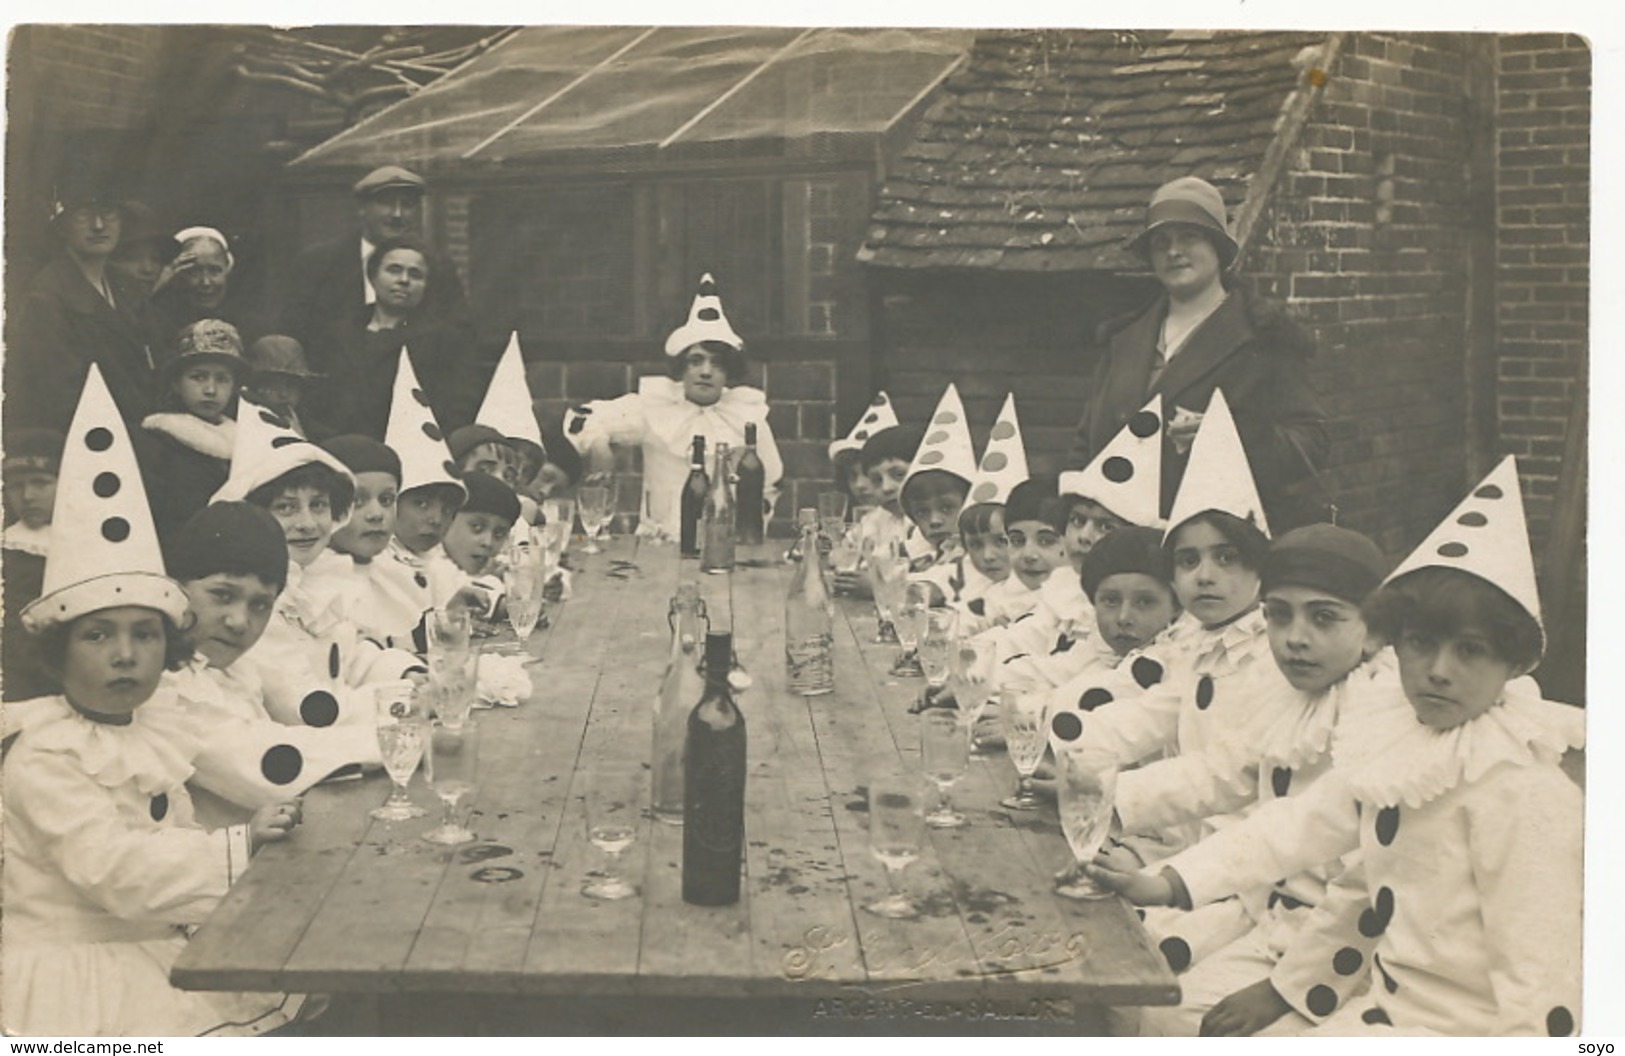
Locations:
214 439
1293 728
154 751
1390 758
1223 650
676 418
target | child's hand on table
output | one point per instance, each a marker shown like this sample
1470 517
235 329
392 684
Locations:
1245 1012
855 584
1115 870
273 822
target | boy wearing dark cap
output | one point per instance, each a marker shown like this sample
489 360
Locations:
33 458
232 561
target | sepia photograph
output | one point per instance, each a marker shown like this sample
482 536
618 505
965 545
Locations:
798 530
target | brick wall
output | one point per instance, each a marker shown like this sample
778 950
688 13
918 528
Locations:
1542 198
1366 238
94 77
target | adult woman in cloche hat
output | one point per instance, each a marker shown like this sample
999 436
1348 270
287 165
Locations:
1199 335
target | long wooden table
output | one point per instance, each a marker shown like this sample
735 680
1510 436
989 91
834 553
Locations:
355 906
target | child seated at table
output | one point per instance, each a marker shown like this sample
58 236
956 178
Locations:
1314 581
1446 781
846 453
104 861
232 561
885 459
311 644
936 484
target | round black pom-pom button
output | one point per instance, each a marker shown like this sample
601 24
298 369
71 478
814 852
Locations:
1067 726
159 807
1322 1000
1094 698
281 765
1146 671
1204 692
1387 825
1177 952
1559 1022
319 708
1347 961
1375 1017
1281 781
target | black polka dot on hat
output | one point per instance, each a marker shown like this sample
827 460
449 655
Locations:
945 418
1322 1000
1066 725
1473 519
995 461
1387 825
334 658
451 468
159 807
709 315
1559 1022
938 437
420 396
1177 952
1281 780
319 708
272 418
1347 961
432 431
1204 692
1375 1017
1144 424
1146 671
1117 469
1453 550
871 418
115 529
1489 491
931 458
1094 697
106 485
287 441
577 424
984 492
99 439
281 765
879 400
1002 431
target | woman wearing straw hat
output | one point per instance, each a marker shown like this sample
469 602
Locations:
1198 336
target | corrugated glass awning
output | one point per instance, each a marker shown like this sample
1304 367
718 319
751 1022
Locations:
577 91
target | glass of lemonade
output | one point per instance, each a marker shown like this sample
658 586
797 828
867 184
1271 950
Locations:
1086 790
403 726
1022 713
614 809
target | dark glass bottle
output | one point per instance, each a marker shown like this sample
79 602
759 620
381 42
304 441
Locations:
714 786
693 507
750 489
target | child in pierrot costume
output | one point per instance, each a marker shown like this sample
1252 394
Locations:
104 860
1467 905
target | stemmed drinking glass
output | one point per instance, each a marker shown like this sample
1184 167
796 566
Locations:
561 518
936 648
1022 714
453 664
945 753
911 623
832 515
593 505
523 583
452 766
614 800
847 554
896 833
888 575
1087 788
403 727
969 686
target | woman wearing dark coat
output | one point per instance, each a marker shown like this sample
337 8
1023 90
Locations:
1196 337
78 312
359 357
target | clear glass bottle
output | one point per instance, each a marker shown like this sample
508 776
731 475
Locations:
750 491
717 546
809 618
692 509
714 785
681 685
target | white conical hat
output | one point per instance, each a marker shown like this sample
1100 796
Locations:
104 550
877 416
415 436
1485 536
706 322
947 443
508 408
1004 460
265 448
1218 475
1126 476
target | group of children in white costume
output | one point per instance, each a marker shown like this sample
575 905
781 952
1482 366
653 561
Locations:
1340 800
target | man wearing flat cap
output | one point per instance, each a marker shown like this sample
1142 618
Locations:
1198 336
328 284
